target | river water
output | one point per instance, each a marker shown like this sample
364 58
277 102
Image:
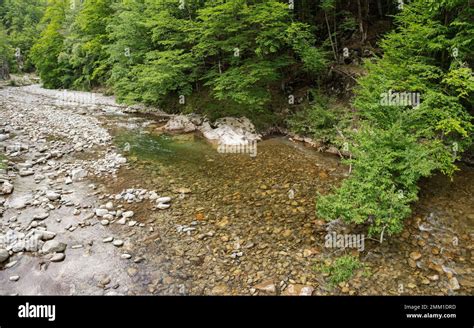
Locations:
238 223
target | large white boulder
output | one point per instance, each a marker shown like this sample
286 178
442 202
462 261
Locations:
181 123
230 131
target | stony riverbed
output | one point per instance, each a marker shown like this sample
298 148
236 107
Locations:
98 201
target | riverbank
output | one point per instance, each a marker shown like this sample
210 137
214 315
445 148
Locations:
234 224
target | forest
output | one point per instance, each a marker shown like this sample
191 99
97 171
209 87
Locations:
236 147
319 68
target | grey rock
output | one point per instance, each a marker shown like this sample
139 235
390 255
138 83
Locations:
128 214
6 189
25 173
46 235
78 174
118 243
180 123
109 206
10 264
58 257
122 221
100 212
162 206
33 244
19 246
52 196
454 284
163 200
4 255
53 246
41 216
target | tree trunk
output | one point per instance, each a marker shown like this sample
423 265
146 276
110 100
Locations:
379 7
4 70
330 36
335 30
361 21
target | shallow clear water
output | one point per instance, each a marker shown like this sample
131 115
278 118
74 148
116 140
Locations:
246 201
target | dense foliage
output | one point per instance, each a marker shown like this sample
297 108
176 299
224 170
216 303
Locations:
19 21
148 50
396 145
5 54
249 57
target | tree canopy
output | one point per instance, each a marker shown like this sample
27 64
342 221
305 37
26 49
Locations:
410 114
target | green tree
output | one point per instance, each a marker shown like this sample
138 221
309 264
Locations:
150 50
397 145
45 52
246 48
237 49
6 53
21 20
86 43
129 42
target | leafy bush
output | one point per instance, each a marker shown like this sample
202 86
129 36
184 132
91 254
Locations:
397 145
341 270
320 120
